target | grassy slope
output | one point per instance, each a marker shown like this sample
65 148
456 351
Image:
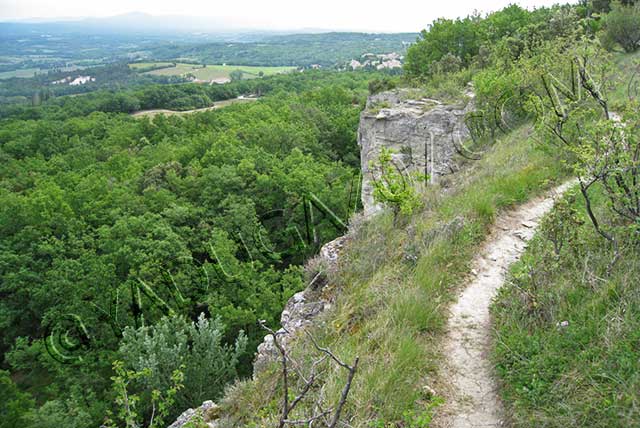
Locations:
395 284
586 374
627 77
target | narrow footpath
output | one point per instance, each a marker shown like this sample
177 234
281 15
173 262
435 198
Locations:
473 400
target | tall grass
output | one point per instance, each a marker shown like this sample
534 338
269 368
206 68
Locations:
568 334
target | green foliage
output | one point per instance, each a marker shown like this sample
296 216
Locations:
604 6
159 401
396 283
236 75
459 38
109 221
477 41
393 187
194 348
598 147
561 226
567 329
15 403
58 413
622 26
380 85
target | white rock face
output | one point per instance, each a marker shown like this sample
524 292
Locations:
207 414
423 134
302 308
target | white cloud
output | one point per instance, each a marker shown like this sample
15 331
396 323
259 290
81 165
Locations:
378 15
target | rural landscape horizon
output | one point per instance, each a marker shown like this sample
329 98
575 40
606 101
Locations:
284 15
340 214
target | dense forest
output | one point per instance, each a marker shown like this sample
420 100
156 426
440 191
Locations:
302 50
110 222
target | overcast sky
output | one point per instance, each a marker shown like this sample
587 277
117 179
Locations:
372 15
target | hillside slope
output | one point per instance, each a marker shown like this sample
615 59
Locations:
395 281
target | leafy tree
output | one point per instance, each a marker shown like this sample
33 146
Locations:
236 75
58 413
15 404
128 402
380 85
447 64
460 38
601 148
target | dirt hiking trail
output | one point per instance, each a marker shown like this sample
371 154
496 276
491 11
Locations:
473 400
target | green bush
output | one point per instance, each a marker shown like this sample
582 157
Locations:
567 331
380 85
15 404
623 26
56 414
393 187
195 348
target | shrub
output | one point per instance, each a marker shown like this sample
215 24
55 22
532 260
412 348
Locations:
393 187
15 404
380 85
58 413
447 64
623 26
195 348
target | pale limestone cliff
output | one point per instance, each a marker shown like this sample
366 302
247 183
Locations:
423 134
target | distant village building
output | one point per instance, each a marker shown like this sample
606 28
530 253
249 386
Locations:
386 61
81 80
61 81
394 63
219 81
390 56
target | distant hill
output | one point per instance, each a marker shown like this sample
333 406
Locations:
143 23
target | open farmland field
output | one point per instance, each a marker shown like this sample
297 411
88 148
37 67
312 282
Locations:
25 72
216 105
145 65
210 72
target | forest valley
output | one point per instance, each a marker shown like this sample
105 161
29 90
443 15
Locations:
143 259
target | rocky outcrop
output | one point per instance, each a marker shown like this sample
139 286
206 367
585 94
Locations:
304 306
207 415
423 134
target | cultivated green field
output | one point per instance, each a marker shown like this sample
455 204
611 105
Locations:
30 72
144 65
25 72
209 72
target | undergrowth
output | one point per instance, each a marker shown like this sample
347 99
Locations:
395 282
567 342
